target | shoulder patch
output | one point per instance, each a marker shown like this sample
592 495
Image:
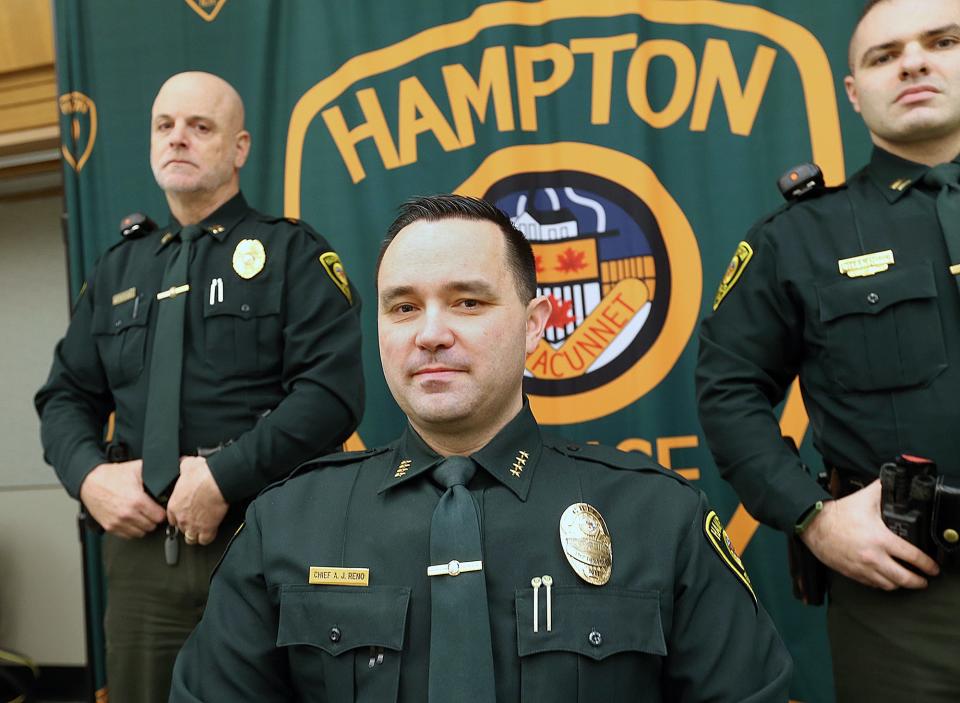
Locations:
720 541
334 268
741 257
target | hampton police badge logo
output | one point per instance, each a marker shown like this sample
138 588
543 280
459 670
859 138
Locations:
81 128
207 9
720 541
609 243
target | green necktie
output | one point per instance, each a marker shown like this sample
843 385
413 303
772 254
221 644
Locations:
461 653
946 177
161 431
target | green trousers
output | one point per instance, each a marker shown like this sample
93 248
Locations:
152 608
895 647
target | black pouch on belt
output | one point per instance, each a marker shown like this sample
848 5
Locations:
945 522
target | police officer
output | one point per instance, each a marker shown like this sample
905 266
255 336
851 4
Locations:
855 289
473 558
228 345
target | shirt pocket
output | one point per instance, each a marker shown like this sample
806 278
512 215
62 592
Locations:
883 331
344 642
242 331
604 643
120 332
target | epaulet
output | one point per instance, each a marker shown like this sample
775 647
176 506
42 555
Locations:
337 459
612 458
292 221
803 182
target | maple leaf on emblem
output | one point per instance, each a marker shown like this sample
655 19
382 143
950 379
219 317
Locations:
538 260
561 312
571 261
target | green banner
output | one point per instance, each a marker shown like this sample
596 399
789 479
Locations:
634 143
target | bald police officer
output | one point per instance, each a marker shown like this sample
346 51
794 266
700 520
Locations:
228 344
855 289
474 558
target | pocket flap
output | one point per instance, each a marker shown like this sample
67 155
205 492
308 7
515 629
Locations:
593 622
244 299
336 619
873 294
114 319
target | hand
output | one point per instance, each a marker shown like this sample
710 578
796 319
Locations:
113 494
851 538
196 506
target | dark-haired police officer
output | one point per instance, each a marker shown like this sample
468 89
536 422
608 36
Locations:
855 289
228 344
475 559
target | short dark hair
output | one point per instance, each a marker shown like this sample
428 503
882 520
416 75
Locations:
867 7
431 208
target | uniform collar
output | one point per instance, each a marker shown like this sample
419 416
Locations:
892 175
217 224
510 457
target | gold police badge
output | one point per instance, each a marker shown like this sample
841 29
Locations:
586 543
249 258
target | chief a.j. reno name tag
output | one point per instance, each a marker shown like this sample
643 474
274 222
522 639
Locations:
339 576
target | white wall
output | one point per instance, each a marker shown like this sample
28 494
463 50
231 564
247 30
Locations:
41 592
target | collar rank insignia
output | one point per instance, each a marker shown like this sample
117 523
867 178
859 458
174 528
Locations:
403 468
249 258
519 463
720 541
586 543
867 264
216 229
900 184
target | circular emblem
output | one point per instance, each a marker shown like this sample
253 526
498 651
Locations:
610 243
249 258
586 543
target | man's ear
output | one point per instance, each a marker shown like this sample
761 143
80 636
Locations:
851 88
538 312
243 149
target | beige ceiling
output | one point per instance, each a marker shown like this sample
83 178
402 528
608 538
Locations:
29 132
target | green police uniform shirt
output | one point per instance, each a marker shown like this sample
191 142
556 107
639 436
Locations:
677 620
877 352
271 363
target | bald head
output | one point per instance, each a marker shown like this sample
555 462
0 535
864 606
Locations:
203 89
197 141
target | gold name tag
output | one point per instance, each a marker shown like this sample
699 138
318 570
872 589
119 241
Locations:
124 296
338 576
866 265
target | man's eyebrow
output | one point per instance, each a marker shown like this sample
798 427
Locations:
190 118
388 295
468 286
478 287
945 29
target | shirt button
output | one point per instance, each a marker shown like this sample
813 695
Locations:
335 634
872 298
595 638
244 308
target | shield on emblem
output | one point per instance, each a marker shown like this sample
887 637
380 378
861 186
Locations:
79 129
207 9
